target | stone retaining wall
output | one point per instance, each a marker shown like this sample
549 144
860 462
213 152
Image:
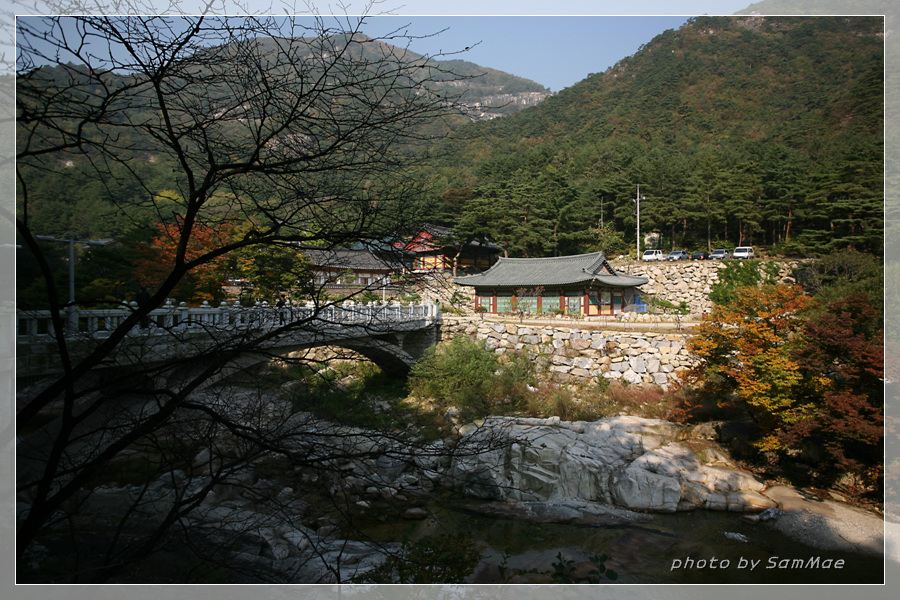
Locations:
580 354
688 281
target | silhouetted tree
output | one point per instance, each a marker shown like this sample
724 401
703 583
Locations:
306 134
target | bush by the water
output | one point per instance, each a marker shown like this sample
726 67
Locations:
601 399
468 375
465 374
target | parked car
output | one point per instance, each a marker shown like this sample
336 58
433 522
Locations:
744 252
702 255
649 255
719 255
678 255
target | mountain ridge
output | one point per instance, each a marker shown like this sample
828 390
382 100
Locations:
759 130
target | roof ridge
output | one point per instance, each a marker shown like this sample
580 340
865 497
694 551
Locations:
552 270
566 257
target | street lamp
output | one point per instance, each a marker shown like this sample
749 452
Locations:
69 238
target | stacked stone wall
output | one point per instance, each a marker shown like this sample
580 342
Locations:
577 354
688 281
584 353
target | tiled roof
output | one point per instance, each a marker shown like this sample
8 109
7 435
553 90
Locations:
446 234
557 270
343 258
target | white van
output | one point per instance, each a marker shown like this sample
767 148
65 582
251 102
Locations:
745 252
653 255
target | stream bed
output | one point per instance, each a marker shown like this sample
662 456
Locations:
680 548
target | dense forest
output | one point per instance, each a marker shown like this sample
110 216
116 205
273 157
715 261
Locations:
739 130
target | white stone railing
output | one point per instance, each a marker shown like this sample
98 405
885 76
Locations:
36 325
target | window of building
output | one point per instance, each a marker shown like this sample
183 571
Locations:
549 304
527 304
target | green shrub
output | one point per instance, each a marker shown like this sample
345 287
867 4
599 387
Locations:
658 304
410 298
368 296
340 394
739 274
465 374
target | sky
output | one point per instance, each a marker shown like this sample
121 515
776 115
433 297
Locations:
555 51
535 39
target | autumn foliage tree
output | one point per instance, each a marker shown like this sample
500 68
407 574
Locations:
204 282
842 363
746 351
269 270
813 384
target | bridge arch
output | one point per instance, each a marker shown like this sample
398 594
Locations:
390 335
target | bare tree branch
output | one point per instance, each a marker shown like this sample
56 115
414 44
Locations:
305 130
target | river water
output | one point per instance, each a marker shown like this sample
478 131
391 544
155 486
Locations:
680 548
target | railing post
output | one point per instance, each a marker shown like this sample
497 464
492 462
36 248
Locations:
72 320
168 317
235 314
184 317
258 314
221 320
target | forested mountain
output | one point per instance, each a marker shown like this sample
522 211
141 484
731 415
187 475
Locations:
67 196
237 135
739 130
487 92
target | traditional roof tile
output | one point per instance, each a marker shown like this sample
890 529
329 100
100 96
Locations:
343 258
552 271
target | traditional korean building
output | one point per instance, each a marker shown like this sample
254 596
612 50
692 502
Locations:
582 284
343 270
437 248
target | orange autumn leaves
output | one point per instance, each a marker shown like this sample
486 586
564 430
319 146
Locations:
745 349
202 282
805 374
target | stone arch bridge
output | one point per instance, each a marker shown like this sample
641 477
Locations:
391 335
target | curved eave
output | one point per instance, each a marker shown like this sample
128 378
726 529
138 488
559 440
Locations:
607 280
621 280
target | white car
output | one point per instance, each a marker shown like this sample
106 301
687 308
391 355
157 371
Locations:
650 255
744 252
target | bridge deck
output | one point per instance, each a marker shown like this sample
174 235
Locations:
178 331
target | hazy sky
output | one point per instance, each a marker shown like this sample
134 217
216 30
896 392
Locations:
554 51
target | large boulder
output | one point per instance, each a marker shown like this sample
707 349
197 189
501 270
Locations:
635 463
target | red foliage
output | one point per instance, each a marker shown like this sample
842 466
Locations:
845 348
202 282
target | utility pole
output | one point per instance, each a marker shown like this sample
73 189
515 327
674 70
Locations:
638 201
69 238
